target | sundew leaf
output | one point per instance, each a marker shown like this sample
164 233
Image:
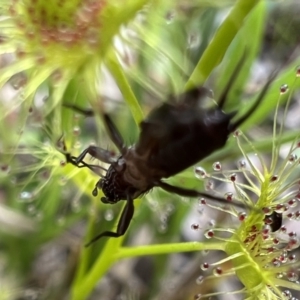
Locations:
269 101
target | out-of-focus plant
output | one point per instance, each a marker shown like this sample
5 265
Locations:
59 52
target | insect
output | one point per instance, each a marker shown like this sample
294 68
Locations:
173 137
274 220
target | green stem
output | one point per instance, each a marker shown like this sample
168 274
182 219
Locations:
82 289
168 249
215 51
117 71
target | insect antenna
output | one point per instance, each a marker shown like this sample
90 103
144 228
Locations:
255 105
231 81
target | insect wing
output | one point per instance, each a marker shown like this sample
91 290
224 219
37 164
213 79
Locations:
177 135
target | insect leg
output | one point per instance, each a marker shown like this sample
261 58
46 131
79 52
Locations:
112 130
123 224
96 152
83 111
74 160
114 133
70 158
242 119
193 193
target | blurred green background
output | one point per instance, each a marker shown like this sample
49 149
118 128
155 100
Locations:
47 211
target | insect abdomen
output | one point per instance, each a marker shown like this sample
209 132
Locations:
191 135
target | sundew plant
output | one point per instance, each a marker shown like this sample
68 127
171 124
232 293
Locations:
125 58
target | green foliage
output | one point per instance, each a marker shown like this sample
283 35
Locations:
176 46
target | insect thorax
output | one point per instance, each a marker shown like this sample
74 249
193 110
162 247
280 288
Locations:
125 178
117 185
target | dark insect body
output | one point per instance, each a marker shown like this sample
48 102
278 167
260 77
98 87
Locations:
276 221
174 136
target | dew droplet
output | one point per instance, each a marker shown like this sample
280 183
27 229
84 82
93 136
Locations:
287 295
242 164
57 75
62 163
193 40
45 175
170 15
283 229
228 196
163 227
200 280
292 258
218 271
5 168
266 237
284 88
77 145
209 234
62 181
292 276
266 230
212 223
292 203
202 201
279 275
293 244
76 130
293 158
242 216
200 172
26 196
268 220
283 257
195 226
279 208
170 208
76 206
276 263
39 216
198 297
204 266
291 216
31 209
292 234
237 133
209 185
298 71
217 166
109 215
233 177
267 210
31 294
